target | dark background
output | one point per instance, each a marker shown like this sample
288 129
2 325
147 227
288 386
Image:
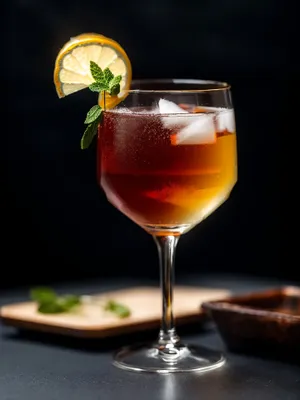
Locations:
56 222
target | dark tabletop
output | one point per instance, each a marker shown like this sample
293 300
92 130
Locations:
43 368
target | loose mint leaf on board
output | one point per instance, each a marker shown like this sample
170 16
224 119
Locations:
120 310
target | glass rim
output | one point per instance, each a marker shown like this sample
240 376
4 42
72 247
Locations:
216 86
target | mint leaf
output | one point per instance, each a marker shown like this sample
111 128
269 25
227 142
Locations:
120 310
96 71
50 303
98 86
115 81
42 294
89 133
93 114
115 90
108 75
114 85
69 301
50 308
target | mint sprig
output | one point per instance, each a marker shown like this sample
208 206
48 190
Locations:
49 302
105 81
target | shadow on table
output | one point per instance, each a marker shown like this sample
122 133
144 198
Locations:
101 345
110 344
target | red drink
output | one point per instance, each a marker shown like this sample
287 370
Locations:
163 183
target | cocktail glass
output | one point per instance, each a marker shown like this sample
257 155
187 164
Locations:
167 159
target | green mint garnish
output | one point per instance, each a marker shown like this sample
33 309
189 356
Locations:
98 87
96 71
49 302
120 310
114 85
108 75
89 134
93 114
105 81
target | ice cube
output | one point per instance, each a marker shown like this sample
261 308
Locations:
226 120
167 107
200 131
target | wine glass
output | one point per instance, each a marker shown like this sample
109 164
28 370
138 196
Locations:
167 159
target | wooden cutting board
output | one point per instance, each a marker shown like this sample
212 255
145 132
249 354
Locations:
90 321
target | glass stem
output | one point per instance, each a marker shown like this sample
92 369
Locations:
168 338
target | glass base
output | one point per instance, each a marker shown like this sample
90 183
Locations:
145 358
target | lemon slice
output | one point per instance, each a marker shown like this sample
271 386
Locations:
72 65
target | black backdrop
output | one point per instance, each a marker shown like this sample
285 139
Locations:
56 222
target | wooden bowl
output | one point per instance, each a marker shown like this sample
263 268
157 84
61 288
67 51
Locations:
262 323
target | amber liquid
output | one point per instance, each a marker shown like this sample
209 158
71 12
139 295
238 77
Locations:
165 188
